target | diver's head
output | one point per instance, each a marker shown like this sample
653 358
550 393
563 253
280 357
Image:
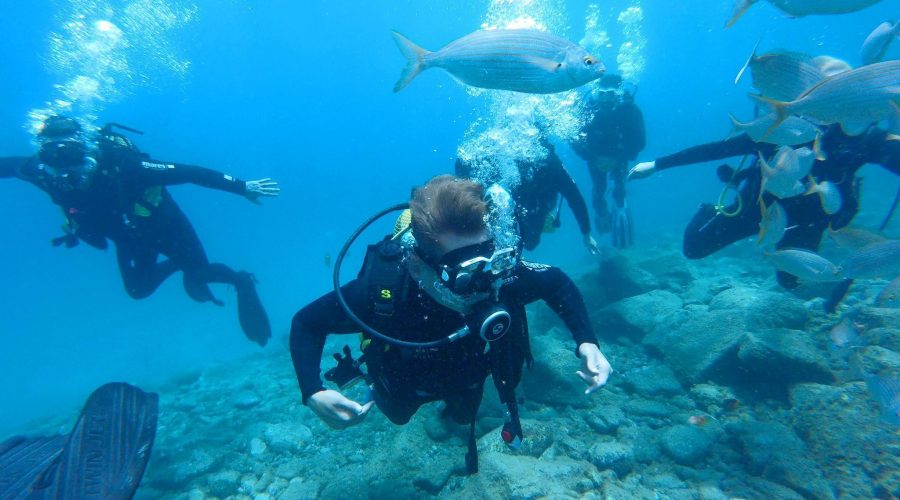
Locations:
448 213
63 151
609 90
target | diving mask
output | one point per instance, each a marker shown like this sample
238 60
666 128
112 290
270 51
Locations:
63 154
475 268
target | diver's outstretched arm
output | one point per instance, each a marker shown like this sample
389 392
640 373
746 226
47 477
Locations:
167 173
9 166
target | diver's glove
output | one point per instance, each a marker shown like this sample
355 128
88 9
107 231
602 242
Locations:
641 170
253 190
591 244
68 239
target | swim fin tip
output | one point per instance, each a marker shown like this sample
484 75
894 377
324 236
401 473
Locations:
104 456
252 315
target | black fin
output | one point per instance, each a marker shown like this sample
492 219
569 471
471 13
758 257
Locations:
253 317
108 449
23 460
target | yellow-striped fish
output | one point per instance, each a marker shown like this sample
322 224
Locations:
529 61
855 99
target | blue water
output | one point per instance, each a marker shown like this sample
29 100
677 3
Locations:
301 92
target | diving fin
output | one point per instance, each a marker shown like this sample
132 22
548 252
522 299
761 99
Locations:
253 317
622 232
104 456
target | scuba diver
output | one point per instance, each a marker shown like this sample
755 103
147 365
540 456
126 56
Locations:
537 198
714 227
440 307
109 190
613 136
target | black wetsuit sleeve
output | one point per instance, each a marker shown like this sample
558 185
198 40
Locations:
160 173
570 192
9 166
736 146
550 284
310 327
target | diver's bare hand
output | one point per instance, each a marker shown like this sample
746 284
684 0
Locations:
641 170
253 190
337 411
596 367
591 244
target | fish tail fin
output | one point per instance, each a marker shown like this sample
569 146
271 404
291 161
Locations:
763 228
812 188
765 171
740 7
817 148
780 108
736 126
746 63
415 62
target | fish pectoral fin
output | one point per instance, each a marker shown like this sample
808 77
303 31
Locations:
740 7
749 59
548 65
854 128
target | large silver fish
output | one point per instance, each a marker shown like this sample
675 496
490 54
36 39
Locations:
855 99
783 176
799 8
890 295
772 226
528 61
879 260
806 265
878 41
782 75
792 132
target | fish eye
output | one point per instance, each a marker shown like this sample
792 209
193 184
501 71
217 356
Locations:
588 60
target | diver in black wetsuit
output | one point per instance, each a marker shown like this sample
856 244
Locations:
537 196
117 193
613 137
449 277
714 228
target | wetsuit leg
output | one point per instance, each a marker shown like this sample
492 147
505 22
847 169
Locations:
141 273
397 410
618 175
710 231
463 407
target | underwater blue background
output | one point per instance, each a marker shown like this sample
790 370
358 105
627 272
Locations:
301 92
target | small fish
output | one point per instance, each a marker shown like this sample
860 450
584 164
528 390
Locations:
855 99
890 295
854 238
806 265
520 60
732 404
792 132
829 196
772 226
782 177
699 420
886 391
878 41
844 333
782 75
800 8
878 260
327 260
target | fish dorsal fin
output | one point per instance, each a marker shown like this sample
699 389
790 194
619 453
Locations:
747 63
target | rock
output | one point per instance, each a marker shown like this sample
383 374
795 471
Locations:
637 316
842 430
783 357
671 269
709 396
613 455
761 308
620 278
287 437
888 338
875 360
551 380
505 475
605 419
878 317
245 400
686 444
761 442
290 468
703 347
653 380
257 447
200 463
299 489
223 484
393 488
801 475
648 408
